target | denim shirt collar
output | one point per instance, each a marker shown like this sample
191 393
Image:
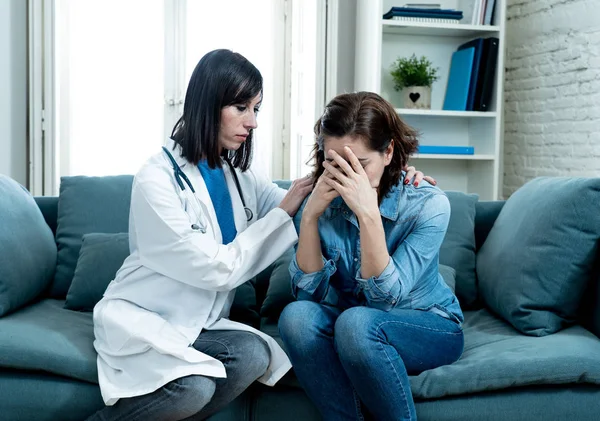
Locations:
389 207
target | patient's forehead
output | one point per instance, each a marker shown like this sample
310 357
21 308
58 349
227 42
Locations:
358 145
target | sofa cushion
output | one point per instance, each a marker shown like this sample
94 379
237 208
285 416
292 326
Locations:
87 205
496 356
536 261
284 184
449 275
100 257
27 247
244 308
46 337
486 213
33 395
458 247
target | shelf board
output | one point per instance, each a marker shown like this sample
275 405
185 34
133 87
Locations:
444 113
390 26
475 157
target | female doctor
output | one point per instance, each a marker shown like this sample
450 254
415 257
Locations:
202 222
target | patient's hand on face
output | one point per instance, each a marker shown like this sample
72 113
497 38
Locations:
322 196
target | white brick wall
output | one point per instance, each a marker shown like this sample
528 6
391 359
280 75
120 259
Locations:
552 90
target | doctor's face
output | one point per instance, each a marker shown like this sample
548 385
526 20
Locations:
237 121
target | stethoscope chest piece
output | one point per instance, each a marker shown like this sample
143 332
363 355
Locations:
249 214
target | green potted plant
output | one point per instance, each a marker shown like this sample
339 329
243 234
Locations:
413 77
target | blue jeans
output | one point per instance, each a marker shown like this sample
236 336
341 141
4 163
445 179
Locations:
246 358
355 363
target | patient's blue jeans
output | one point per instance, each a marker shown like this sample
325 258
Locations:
355 363
245 356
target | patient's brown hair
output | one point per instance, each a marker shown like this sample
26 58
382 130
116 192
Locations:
369 116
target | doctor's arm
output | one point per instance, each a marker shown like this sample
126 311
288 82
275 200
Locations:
269 195
168 245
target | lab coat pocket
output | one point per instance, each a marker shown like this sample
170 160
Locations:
125 327
115 328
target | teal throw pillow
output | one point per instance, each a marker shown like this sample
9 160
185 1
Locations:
284 184
244 308
279 291
27 247
100 257
537 259
87 205
458 247
449 275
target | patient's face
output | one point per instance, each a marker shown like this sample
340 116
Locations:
373 162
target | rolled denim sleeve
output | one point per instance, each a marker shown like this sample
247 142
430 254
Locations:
383 291
410 259
311 286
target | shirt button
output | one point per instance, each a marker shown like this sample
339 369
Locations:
356 259
393 301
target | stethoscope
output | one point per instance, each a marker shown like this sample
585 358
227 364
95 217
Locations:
180 177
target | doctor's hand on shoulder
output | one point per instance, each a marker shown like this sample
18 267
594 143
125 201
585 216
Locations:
296 194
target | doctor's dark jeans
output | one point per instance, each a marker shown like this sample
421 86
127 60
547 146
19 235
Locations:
354 364
246 358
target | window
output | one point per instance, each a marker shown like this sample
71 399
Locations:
110 84
255 29
108 78
122 67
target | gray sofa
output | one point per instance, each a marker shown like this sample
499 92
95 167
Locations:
48 363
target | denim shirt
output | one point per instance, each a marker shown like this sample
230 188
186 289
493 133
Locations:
415 222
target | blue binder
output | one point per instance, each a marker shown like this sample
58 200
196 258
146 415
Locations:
459 80
476 72
446 150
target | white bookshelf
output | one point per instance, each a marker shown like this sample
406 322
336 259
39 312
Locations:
380 42
436 29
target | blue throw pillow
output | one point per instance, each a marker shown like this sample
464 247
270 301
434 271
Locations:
100 257
27 247
536 261
87 205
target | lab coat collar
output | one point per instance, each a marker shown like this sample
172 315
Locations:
193 173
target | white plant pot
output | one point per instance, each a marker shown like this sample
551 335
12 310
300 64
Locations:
418 97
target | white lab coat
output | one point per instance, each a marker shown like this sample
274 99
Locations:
178 281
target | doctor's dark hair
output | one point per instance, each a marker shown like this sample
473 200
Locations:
221 78
368 116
